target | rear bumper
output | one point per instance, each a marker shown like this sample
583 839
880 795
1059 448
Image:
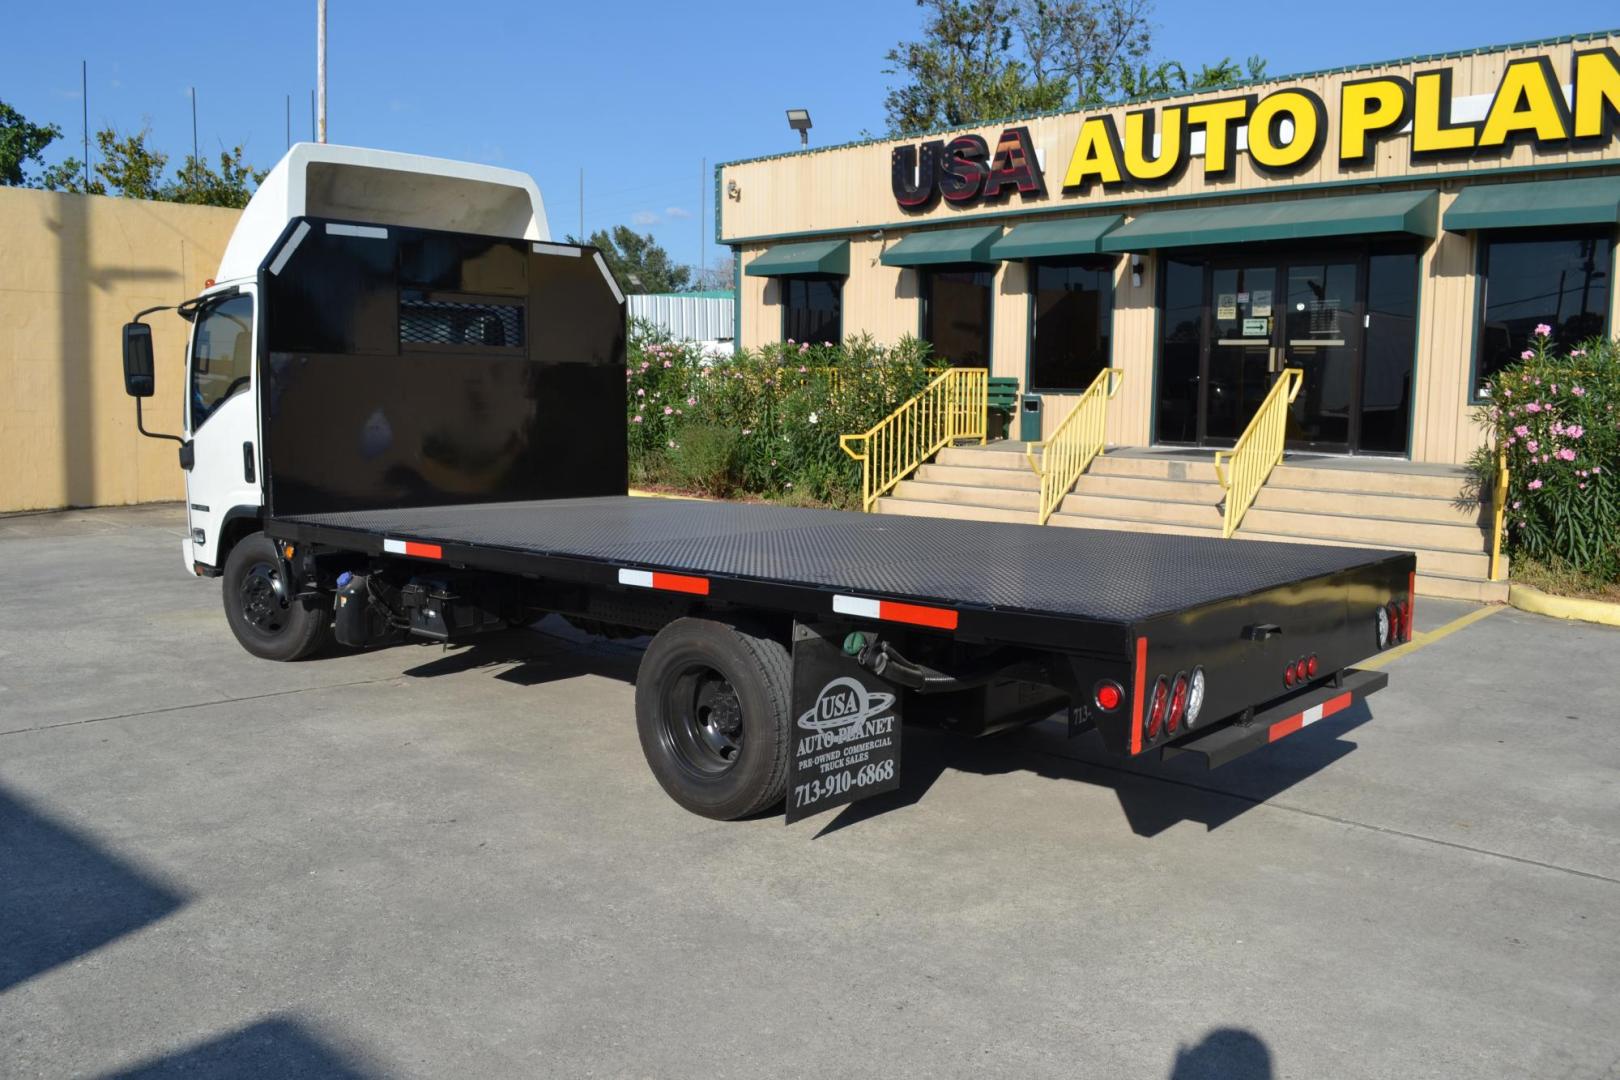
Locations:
1224 744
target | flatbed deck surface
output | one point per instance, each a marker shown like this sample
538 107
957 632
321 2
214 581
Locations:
1049 570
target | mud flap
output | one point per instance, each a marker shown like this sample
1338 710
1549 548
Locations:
845 728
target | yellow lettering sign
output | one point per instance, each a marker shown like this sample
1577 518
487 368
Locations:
1301 107
1597 93
1096 154
1217 119
1368 108
1139 162
1528 101
1432 129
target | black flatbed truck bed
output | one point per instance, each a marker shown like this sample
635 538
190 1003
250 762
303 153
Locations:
444 452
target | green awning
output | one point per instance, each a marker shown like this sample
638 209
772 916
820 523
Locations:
944 246
1048 239
813 257
1415 212
1545 202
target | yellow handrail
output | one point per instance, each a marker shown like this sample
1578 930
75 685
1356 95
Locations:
1258 449
1500 500
1077 440
952 407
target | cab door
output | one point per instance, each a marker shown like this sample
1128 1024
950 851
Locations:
222 419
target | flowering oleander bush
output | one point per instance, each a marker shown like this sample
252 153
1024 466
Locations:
762 422
1558 415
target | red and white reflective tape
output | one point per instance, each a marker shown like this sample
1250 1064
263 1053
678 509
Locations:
1310 716
653 579
894 611
413 549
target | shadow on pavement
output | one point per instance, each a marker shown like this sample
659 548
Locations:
62 895
1224 1054
278 1047
531 659
1154 795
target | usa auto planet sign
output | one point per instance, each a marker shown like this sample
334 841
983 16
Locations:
846 729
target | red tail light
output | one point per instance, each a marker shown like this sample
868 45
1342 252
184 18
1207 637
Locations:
1310 666
1288 675
1178 702
1156 711
1108 694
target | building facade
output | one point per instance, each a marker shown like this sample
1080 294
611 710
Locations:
1396 231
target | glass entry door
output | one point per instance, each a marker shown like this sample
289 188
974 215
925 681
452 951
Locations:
1242 352
1320 333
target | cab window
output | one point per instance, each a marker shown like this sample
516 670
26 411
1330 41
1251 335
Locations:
221 355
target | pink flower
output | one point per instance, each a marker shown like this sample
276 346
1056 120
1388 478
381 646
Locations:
641 391
1566 454
1555 388
1533 446
691 401
1582 485
1596 469
637 420
1521 431
1574 431
1577 352
1533 407
668 411
1517 503
1578 391
1534 485
803 370
1528 354
1542 330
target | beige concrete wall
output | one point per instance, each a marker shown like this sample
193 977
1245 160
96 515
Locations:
73 269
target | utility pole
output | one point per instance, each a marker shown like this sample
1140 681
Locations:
194 161
289 121
312 114
703 261
84 99
582 204
320 61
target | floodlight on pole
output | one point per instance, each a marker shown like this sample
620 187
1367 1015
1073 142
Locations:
799 120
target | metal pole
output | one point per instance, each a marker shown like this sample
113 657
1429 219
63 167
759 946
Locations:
703 167
289 121
320 75
582 238
193 134
312 114
84 99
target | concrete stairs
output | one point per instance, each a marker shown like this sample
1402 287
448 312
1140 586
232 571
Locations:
1306 501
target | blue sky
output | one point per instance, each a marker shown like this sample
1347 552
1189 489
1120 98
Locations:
637 94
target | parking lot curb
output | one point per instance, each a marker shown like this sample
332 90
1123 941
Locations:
1563 607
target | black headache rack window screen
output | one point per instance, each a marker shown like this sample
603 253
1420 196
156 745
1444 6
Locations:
412 368
432 319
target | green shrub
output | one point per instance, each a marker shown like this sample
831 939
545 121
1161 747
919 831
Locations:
704 459
784 407
1557 417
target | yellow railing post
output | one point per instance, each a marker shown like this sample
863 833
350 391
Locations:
953 406
1499 497
1076 442
1258 450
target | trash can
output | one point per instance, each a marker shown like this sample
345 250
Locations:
1029 419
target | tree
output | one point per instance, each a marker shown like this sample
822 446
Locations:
638 261
20 143
983 60
132 170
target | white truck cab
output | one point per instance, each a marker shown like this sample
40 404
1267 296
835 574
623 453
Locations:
372 189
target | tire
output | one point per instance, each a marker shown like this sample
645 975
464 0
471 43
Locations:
266 623
712 709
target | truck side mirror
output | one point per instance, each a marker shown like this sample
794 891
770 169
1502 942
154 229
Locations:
139 381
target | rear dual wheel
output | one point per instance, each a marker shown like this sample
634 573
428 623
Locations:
712 705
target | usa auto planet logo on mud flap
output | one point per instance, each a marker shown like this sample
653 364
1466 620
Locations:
844 712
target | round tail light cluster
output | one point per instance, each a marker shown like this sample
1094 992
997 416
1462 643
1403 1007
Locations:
1394 621
1300 671
1175 701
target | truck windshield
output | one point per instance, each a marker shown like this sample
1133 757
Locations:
221 355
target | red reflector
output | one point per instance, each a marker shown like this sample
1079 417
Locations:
1302 670
680 583
1288 675
1178 702
1161 698
1108 695
917 614
1310 665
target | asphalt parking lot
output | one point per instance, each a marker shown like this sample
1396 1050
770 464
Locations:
427 863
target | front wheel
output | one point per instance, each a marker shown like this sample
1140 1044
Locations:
268 622
712 710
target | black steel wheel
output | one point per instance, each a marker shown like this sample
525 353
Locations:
267 621
712 704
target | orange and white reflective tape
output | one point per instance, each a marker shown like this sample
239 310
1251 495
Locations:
894 611
654 579
413 549
1310 716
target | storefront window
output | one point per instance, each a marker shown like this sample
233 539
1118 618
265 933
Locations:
1071 320
1181 322
1560 280
812 309
956 314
